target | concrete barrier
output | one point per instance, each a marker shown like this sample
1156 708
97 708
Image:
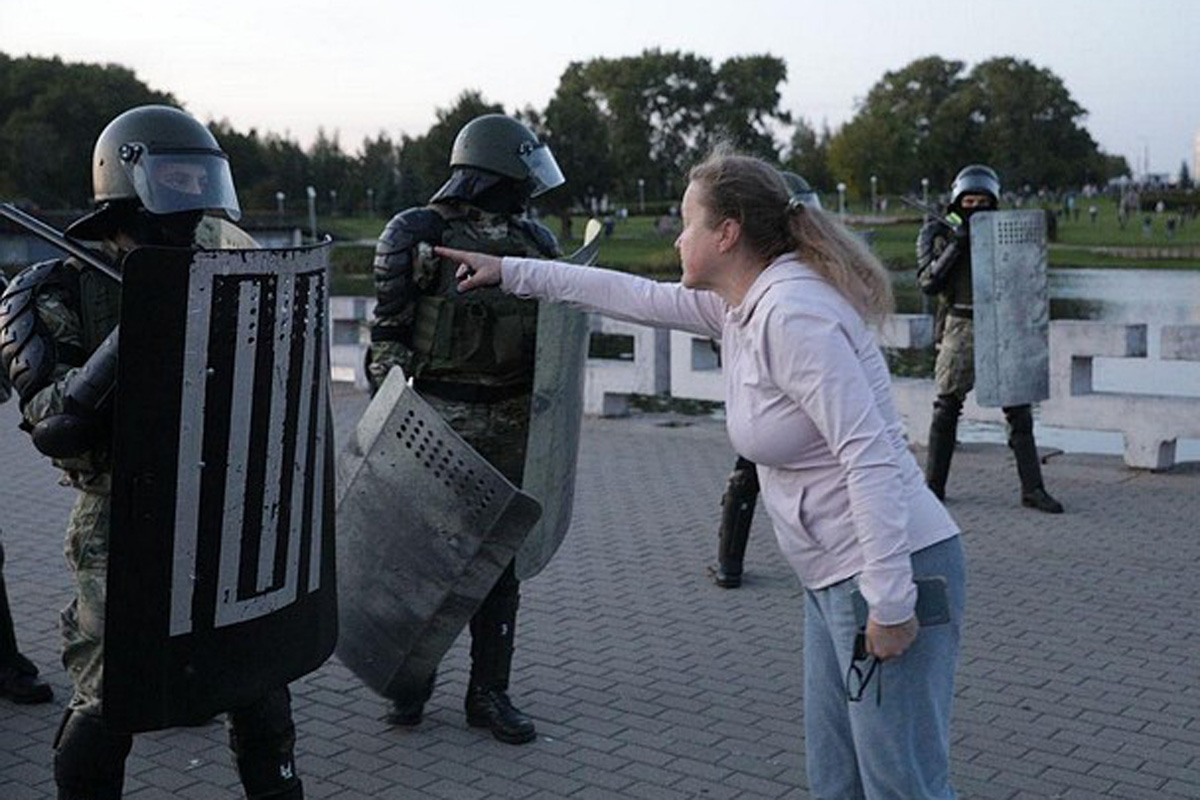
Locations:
349 335
643 367
654 361
1151 424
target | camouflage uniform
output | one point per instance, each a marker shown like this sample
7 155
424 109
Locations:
954 369
472 358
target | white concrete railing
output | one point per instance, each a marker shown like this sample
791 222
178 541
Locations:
655 362
1150 423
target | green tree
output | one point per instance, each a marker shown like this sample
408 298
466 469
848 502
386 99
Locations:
50 115
808 156
900 132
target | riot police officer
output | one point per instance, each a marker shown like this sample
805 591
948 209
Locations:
156 171
944 269
471 357
741 488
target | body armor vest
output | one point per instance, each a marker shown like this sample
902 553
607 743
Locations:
482 337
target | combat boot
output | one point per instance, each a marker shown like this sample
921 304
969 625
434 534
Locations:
262 739
493 630
737 514
1029 468
407 712
20 683
943 433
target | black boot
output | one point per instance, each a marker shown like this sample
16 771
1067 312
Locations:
1029 469
737 514
89 759
407 712
492 634
262 740
943 431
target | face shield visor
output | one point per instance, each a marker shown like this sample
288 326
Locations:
543 169
171 181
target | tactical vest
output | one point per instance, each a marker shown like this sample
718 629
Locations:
481 337
99 307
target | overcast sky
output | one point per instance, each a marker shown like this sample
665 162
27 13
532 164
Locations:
359 67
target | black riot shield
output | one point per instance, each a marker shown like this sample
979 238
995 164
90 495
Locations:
221 581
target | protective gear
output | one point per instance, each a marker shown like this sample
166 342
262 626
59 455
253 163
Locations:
975 179
737 514
262 739
493 630
484 337
162 159
82 425
502 145
408 588
943 432
1020 439
205 585
799 189
944 262
28 351
89 758
1011 308
492 709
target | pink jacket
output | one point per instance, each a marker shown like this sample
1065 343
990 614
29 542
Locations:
808 399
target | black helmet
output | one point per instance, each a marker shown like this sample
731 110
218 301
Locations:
975 179
162 159
799 189
500 144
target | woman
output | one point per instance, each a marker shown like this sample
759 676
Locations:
808 398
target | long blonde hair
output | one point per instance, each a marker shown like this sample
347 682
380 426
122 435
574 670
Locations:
753 192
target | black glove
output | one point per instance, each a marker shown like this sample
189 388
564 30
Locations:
83 422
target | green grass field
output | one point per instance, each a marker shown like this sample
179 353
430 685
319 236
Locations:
636 246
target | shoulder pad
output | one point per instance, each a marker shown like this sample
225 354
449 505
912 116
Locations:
27 351
545 241
408 228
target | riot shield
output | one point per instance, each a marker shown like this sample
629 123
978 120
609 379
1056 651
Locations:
221 581
1012 309
555 416
426 527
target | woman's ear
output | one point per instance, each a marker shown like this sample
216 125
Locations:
731 234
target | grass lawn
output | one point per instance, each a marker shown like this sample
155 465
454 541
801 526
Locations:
636 246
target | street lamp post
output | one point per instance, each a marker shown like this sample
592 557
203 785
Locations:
841 187
370 201
641 196
874 204
279 196
333 202
925 191
312 211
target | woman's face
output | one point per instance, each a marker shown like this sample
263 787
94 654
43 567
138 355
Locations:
698 243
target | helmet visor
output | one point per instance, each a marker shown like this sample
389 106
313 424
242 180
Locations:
197 180
543 169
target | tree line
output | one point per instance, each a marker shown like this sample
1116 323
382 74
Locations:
624 128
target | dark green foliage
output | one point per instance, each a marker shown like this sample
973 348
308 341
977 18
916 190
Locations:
50 115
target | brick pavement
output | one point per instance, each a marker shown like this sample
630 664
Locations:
1079 676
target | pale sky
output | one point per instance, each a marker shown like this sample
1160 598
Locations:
359 67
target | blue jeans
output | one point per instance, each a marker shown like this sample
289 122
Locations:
898 749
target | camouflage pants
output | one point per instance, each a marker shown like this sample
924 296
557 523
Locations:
954 370
498 431
86 551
